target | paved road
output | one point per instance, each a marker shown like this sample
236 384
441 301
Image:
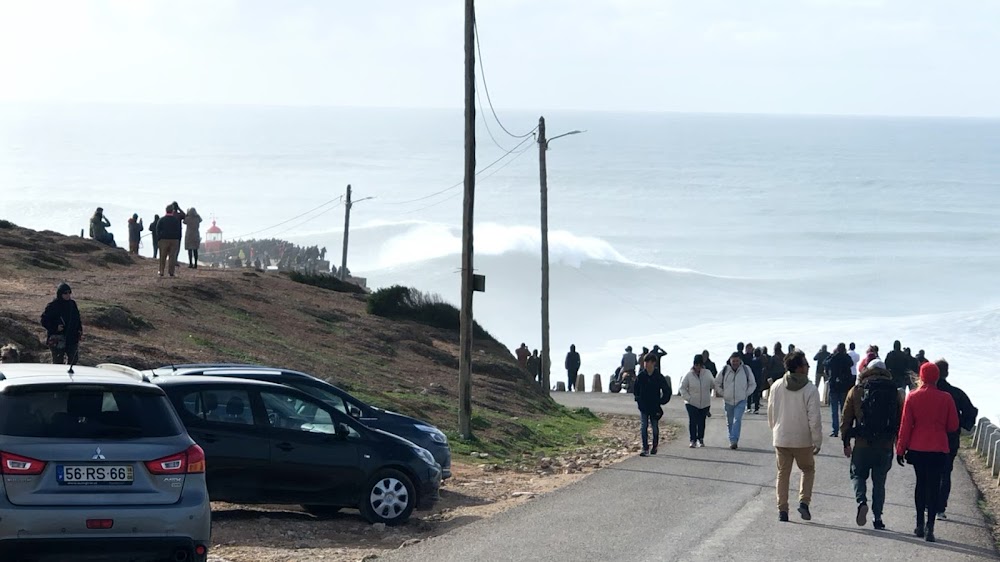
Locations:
709 504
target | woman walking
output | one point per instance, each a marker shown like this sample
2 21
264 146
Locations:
696 390
192 239
929 414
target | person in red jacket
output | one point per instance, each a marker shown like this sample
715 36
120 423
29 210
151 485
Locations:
929 415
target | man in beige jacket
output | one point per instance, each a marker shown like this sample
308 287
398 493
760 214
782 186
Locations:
793 412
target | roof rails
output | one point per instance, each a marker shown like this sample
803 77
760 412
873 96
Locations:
125 370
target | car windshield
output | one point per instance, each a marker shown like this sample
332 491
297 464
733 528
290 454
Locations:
87 413
326 396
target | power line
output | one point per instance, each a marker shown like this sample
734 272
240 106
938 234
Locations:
337 200
482 72
487 123
310 219
461 183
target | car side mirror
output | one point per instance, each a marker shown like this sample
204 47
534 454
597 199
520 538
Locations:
343 431
355 412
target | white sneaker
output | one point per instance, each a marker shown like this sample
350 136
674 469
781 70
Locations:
701 444
692 445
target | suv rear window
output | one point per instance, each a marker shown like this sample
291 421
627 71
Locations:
93 412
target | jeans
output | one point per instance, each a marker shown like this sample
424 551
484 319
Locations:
876 462
946 484
646 420
836 405
807 464
734 419
696 422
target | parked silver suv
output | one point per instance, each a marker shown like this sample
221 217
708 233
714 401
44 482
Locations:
96 466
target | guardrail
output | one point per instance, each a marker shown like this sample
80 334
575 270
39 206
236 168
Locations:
986 441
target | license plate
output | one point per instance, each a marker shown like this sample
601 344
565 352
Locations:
94 474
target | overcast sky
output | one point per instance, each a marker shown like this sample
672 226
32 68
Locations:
889 57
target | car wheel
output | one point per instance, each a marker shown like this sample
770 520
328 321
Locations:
615 387
321 510
389 498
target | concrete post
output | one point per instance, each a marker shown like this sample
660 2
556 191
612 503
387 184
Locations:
581 383
995 462
978 434
595 384
991 442
984 442
560 386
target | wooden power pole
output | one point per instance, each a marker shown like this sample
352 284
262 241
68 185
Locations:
544 180
465 336
347 229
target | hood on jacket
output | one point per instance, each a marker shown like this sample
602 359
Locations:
929 374
876 369
63 289
796 381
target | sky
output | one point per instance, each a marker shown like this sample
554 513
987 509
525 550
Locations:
867 57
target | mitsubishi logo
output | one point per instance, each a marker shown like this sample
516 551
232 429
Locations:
98 456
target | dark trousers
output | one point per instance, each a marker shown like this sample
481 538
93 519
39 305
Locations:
646 420
836 405
753 401
874 462
696 422
70 352
156 247
927 494
571 375
945 484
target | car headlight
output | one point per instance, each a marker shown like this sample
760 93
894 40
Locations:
434 433
425 455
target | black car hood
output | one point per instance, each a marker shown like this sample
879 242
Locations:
396 438
394 417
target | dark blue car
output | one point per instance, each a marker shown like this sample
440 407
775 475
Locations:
411 429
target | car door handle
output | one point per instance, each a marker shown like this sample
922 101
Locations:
208 438
285 446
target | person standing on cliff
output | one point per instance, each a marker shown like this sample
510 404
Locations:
193 239
63 327
535 367
522 353
572 366
169 234
155 235
135 229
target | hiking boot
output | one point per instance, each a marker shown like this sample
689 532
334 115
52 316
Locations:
879 525
733 446
783 516
644 453
929 534
693 444
804 512
919 532
834 434
862 517
756 410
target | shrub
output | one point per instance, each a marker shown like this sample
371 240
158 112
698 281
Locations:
405 303
328 282
6 224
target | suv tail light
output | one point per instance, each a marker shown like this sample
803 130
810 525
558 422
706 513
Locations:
190 461
16 464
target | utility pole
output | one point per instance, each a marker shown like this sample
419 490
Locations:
465 331
347 228
543 175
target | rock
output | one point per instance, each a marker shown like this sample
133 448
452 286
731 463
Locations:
484 455
522 495
474 454
560 386
579 440
410 542
595 385
378 527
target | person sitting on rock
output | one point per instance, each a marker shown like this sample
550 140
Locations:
10 354
99 228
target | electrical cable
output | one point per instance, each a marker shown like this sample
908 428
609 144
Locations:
337 200
310 219
482 72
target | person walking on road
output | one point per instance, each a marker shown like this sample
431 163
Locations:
776 366
820 358
929 415
572 366
651 392
852 352
793 413
967 414
63 327
756 365
735 384
840 381
898 365
696 390
872 414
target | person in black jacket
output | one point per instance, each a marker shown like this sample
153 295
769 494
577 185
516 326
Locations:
169 238
756 365
841 381
155 234
898 365
63 327
572 366
966 420
651 392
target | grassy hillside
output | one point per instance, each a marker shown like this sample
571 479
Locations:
134 317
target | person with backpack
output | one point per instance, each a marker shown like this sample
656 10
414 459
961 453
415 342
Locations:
696 390
967 414
872 412
735 384
841 381
651 391
794 415
929 415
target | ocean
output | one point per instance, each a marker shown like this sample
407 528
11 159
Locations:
688 231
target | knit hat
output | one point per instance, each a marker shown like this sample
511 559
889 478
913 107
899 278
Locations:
929 374
699 360
63 289
876 365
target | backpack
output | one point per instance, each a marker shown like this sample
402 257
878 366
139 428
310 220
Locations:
879 408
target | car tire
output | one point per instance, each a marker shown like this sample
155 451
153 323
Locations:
321 510
615 387
401 494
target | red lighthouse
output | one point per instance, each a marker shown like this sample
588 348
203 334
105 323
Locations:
213 239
